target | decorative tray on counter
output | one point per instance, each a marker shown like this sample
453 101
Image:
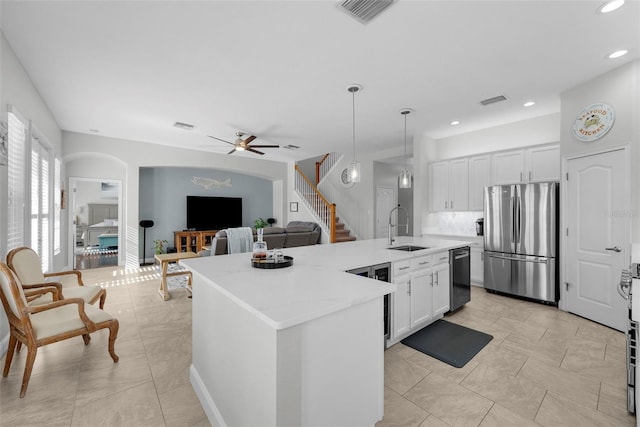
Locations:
270 263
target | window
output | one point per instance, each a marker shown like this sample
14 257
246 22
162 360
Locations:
15 181
40 202
57 201
30 217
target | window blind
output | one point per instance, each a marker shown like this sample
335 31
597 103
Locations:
57 200
40 202
15 181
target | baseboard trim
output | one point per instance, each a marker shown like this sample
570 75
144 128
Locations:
210 408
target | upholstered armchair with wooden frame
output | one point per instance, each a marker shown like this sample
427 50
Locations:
38 325
25 262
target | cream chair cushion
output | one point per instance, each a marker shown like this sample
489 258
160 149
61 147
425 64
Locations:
65 318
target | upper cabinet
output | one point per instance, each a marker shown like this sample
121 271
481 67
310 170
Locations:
479 177
449 185
543 163
458 184
508 167
439 186
536 164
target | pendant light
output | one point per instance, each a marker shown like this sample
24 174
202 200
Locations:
354 166
405 176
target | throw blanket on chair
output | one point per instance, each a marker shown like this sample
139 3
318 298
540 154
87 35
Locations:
239 240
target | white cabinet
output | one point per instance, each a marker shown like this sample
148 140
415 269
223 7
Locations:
543 163
479 178
458 184
401 307
441 302
420 290
508 167
477 265
536 164
439 186
450 185
422 294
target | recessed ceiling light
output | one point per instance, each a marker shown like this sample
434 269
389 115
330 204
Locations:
529 103
610 6
455 122
94 130
618 54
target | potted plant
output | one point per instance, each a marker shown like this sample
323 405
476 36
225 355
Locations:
158 246
260 223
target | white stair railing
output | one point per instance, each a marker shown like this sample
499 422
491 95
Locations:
325 165
317 203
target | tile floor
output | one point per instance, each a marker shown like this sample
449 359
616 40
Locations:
543 367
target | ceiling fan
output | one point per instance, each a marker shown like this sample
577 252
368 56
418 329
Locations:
243 144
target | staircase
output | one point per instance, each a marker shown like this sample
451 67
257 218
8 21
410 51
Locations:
342 234
320 206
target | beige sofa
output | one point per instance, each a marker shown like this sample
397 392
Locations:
296 233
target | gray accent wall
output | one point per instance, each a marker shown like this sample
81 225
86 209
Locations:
164 190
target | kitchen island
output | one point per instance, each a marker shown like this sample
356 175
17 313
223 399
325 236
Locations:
301 345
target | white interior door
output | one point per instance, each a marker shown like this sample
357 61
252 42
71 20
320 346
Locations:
385 201
598 237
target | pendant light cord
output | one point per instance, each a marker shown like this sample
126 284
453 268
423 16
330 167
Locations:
353 94
405 142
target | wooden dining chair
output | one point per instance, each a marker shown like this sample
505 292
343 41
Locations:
26 264
38 325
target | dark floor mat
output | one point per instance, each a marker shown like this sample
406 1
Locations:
448 342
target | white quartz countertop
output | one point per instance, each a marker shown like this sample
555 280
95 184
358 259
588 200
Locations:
316 284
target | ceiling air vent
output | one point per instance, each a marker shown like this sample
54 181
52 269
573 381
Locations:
365 10
493 100
185 126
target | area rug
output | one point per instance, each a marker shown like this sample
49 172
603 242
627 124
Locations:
176 282
451 343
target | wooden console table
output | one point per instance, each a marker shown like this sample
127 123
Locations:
164 260
192 241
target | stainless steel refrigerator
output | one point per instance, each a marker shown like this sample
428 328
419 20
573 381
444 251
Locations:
521 240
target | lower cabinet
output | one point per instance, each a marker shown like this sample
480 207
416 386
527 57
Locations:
422 294
401 307
441 288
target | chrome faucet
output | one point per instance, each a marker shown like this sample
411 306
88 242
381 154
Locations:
391 225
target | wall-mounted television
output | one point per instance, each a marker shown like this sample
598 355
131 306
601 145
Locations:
213 213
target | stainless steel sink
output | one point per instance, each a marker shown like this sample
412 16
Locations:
408 248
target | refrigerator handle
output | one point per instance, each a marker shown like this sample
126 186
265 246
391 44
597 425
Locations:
518 218
512 207
508 258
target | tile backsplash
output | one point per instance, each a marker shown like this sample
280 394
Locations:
454 223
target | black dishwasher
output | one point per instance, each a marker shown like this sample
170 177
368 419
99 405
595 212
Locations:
460 277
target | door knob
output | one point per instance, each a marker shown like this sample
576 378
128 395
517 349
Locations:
615 249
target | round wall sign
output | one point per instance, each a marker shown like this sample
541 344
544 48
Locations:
593 122
345 179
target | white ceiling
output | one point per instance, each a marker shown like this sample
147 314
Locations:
280 69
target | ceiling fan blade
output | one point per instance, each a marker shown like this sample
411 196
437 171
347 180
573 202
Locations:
249 139
265 146
232 151
254 151
221 140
